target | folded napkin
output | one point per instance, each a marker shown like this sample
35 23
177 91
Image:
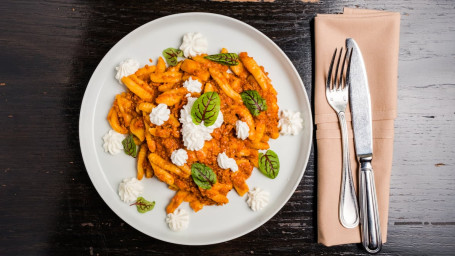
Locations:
377 34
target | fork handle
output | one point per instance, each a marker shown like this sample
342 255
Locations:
369 217
349 210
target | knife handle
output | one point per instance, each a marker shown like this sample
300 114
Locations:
369 217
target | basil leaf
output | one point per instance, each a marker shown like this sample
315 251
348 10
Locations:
206 108
203 175
269 164
254 102
230 59
143 205
129 146
171 54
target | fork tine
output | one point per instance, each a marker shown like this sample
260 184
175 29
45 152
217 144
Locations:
336 70
340 81
329 78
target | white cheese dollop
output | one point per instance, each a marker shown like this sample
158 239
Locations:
242 129
179 157
126 68
130 189
194 136
113 142
193 85
178 220
225 162
160 114
257 199
193 44
290 122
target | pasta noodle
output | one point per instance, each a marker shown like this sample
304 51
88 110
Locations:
251 65
140 161
112 117
135 85
224 84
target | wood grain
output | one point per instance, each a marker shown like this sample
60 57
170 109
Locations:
422 195
49 49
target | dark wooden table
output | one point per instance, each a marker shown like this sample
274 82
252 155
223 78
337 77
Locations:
49 49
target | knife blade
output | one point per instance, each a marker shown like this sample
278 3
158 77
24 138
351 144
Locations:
360 104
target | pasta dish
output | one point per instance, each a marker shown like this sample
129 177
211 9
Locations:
198 124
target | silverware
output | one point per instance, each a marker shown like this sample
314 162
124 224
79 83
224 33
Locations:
337 95
363 141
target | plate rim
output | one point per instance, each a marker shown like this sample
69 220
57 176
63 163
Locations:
86 143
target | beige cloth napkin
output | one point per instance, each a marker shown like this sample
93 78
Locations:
377 34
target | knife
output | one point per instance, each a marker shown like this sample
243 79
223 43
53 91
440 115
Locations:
360 104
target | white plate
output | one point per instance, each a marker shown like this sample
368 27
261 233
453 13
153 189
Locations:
213 224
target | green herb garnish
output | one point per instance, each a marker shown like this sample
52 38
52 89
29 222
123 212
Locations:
171 55
254 102
269 164
143 205
203 175
230 59
206 108
129 146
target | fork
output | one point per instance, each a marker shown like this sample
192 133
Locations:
337 95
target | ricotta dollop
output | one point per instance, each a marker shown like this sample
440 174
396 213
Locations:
113 142
193 85
242 129
130 189
179 157
257 199
194 136
290 123
126 68
178 220
193 44
160 114
225 162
